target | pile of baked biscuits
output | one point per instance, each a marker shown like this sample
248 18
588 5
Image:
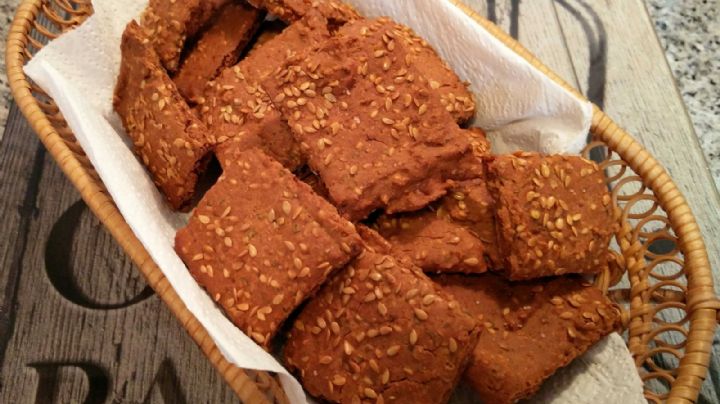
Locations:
355 207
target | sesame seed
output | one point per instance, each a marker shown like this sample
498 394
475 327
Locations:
421 314
413 337
338 380
393 350
348 348
252 250
428 299
385 378
545 170
452 345
286 207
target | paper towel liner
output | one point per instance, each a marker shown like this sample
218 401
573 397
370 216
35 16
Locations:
518 106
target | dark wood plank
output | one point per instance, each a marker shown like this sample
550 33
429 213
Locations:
83 326
20 172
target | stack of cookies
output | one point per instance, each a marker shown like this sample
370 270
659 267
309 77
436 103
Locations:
354 199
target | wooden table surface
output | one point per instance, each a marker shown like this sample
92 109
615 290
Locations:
79 324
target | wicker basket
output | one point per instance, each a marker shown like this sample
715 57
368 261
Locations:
671 357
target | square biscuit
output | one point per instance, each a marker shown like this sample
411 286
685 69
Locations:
261 242
530 329
171 142
237 108
554 214
242 117
380 331
372 127
468 202
217 48
169 24
432 242
453 93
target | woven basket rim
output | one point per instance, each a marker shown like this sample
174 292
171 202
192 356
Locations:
702 303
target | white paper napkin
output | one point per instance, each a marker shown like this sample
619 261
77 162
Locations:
521 108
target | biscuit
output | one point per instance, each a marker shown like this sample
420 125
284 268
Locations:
470 205
169 139
261 242
370 124
237 108
337 12
454 94
243 117
169 24
531 329
433 243
380 331
218 47
457 234
554 214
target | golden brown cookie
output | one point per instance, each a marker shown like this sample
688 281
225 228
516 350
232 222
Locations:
554 214
433 243
531 329
373 128
218 47
169 24
261 242
169 139
237 108
380 331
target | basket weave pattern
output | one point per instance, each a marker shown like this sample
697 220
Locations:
662 268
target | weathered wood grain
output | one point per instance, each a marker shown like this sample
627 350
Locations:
86 328
20 177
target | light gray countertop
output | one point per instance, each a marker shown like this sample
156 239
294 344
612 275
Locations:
7 10
688 29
